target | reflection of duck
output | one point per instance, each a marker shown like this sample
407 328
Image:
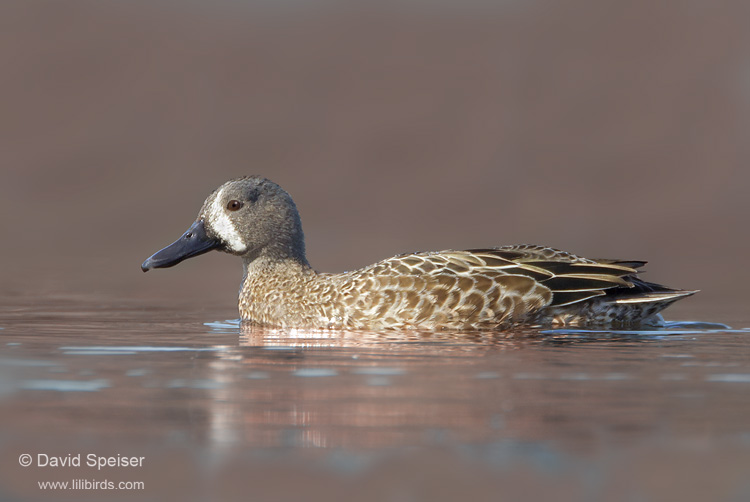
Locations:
393 342
256 219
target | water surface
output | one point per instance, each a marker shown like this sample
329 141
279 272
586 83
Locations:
219 410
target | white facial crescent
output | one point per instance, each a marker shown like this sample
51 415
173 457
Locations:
222 224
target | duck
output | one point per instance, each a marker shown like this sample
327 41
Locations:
495 288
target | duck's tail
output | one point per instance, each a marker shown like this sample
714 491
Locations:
644 293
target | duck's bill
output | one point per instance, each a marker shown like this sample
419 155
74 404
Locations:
192 243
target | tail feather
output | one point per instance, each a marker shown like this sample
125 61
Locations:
644 292
657 297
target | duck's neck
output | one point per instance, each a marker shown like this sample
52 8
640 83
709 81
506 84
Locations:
284 243
274 265
272 287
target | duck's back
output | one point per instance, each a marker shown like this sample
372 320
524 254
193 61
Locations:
488 288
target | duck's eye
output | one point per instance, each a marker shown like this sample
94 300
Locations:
234 205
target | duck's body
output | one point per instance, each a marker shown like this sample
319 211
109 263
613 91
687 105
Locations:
476 289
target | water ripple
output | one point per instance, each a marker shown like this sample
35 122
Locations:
65 385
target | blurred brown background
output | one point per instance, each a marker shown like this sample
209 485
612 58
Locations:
610 129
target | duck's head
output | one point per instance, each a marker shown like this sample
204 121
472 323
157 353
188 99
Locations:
249 217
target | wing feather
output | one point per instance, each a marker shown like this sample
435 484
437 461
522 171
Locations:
571 278
492 285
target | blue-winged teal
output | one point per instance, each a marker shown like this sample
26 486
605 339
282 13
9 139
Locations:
257 220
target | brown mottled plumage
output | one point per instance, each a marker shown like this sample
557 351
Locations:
477 289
